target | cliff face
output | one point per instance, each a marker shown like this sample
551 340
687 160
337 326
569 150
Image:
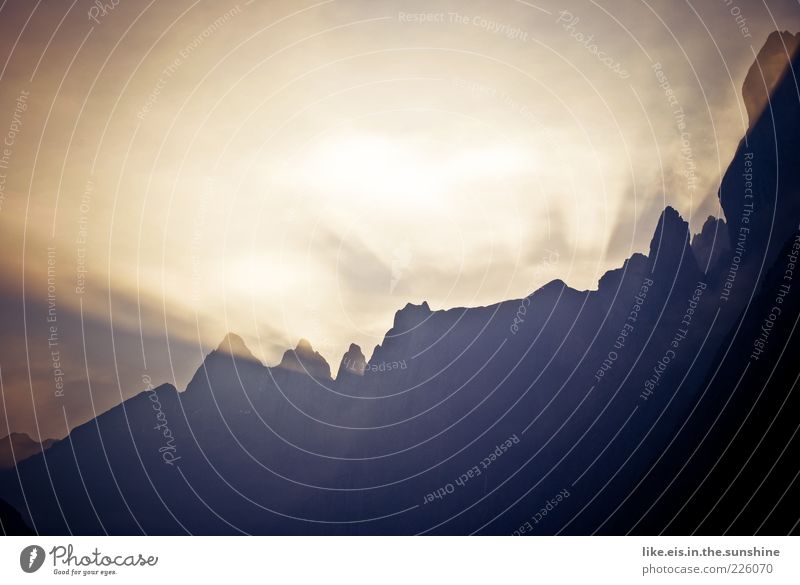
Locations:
768 71
760 192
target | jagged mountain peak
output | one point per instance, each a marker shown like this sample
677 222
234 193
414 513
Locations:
234 345
305 360
422 307
304 346
554 287
711 244
671 230
637 264
555 284
353 362
410 316
670 251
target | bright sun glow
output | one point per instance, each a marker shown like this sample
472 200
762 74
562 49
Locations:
373 167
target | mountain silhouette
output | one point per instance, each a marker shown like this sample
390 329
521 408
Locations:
17 447
304 360
641 407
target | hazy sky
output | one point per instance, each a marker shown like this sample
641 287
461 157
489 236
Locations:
287 169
